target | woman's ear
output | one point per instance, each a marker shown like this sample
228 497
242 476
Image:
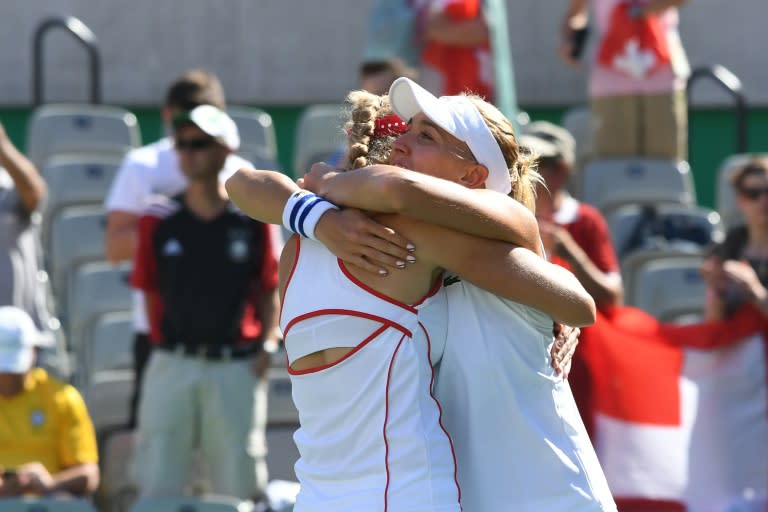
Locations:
475 176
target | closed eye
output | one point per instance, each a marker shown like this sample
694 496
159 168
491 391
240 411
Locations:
425 135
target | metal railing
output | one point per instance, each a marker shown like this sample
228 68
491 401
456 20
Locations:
87 39
731 83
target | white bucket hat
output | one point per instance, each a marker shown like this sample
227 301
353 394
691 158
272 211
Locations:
18 337
458 116
214 122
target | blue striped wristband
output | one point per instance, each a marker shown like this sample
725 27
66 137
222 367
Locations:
302 212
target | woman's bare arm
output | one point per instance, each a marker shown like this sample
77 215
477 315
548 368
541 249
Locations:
261 194
503 269
349 234
389 189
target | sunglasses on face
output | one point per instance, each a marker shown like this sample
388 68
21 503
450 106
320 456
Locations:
194 144
753 193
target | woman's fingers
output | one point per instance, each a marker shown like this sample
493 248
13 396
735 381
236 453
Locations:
564 347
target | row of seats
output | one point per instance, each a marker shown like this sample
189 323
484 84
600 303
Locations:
190 504
660 267
78 149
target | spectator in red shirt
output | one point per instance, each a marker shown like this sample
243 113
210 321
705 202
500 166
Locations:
457 48
575 234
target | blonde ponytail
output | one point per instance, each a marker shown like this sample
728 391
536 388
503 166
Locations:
522 166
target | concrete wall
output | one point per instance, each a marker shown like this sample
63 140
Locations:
301 51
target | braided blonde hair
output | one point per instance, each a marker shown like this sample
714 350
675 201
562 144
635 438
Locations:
363 148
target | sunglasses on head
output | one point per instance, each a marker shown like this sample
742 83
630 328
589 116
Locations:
753 193
194 144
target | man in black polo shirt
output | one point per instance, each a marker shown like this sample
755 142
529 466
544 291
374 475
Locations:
209 276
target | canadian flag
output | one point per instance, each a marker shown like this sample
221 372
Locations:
634 44
657 414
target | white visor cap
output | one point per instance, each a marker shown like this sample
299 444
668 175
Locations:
458 116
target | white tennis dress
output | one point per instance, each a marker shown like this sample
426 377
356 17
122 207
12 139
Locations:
370 436
519 440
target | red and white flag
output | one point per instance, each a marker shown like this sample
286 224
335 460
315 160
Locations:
664 426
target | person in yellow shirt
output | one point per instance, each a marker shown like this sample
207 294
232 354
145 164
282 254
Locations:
47 440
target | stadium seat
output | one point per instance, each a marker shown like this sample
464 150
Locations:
634 262
94 289
611 183
108 344
669 288
282 422
30 504
117 492
75 180
632 225
189 504
78 179
76 236
319 135
107 396
725 199
93 129
578 121
281 410
258 143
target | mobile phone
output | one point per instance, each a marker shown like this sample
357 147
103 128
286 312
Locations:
578 41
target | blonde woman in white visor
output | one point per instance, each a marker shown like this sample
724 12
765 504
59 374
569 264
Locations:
511 272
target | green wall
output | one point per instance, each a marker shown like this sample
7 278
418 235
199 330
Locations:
712 135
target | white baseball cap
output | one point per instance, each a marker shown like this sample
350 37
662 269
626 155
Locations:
458 116
214 122
18 337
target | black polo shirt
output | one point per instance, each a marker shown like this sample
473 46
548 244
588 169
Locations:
205 276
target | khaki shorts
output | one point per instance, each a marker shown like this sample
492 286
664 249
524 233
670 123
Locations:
654 126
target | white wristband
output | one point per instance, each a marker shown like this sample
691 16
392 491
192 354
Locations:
302 212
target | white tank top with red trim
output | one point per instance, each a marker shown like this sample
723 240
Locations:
371 437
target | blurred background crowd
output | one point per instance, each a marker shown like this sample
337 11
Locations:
649 118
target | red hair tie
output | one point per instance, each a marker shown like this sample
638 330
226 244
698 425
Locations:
391 124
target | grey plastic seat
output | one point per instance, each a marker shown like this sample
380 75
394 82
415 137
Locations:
695 224
94 289
117 491
190 504
611 183
669 287
281 410
76 236
78 179
633 263
282 422
725 198
258 142
107 396
75 180
94 129
108 344
30 504
319 135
